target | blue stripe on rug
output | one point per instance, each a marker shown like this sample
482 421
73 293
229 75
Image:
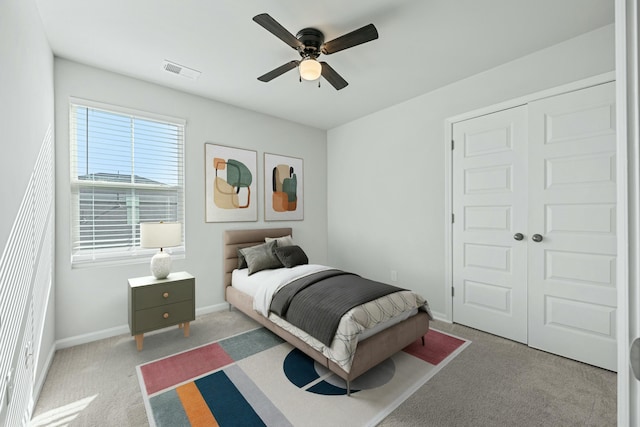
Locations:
168 410
256 398
226 403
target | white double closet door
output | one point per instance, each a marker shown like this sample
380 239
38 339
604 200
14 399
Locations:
534 234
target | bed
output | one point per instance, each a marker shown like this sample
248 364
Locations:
369 351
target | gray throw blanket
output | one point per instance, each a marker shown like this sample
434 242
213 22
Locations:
316 303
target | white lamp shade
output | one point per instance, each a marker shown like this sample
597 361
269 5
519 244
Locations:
160 234
310 69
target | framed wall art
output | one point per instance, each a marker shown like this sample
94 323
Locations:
230 184
283 188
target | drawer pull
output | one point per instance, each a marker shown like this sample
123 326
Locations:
166 315
165 295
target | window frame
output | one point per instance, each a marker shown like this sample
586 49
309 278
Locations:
119 255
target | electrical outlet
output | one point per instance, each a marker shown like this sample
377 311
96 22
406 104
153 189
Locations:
394 276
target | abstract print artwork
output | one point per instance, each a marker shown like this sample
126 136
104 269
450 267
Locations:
283 188
230 175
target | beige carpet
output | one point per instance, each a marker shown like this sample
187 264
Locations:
494 382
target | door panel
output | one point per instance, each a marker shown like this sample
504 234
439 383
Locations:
572 205
489 201
548 168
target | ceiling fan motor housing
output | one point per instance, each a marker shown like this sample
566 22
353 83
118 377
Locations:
312 39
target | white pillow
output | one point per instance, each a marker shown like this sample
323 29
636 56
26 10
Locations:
281 241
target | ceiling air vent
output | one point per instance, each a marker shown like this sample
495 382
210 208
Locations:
181 70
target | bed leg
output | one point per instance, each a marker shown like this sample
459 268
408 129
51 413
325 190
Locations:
423 340
348 388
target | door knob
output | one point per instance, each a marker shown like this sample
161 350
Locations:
635 358
518 236
536 238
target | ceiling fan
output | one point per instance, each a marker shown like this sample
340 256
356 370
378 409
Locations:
310 44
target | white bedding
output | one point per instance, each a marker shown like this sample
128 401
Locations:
357 324
264 284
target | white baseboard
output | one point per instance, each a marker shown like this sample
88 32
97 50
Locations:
91 336
124 329
211 309
441 317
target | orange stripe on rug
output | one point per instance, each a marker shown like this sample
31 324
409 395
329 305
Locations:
195 406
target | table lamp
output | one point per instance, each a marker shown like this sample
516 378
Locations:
160 235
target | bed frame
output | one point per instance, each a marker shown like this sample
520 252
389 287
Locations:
369 352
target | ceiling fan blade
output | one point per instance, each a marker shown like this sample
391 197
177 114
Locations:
332 76
278 71
354 38
271 25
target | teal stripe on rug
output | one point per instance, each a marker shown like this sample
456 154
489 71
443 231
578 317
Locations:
226 403
168 410
250 343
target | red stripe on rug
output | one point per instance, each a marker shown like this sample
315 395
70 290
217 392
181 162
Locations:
437 347
173 370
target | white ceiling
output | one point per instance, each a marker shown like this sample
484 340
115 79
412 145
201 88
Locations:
423 45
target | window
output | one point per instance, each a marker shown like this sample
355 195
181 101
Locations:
126 168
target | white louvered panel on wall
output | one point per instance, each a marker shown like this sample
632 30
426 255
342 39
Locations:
18 412
25 280
16 272
44 225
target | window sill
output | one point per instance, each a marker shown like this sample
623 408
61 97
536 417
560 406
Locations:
112 261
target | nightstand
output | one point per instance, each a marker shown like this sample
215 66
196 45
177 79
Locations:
159 303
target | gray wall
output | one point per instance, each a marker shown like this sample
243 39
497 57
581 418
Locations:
26 110
381 203
26 114
91 302
386 171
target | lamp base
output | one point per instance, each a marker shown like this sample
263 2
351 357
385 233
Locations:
161 265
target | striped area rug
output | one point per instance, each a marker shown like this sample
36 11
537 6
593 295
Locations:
255 379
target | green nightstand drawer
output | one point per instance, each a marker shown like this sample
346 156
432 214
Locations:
163 293
163 316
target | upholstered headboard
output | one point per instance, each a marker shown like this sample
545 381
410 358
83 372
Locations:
235 239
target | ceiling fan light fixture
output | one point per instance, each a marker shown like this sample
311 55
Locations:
310 69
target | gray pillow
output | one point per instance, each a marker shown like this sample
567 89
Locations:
290 256
242 263
282 241
261 257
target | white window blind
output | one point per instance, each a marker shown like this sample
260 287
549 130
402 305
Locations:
126 168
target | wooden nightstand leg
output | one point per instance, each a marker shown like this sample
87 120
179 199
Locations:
139 339
186 329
